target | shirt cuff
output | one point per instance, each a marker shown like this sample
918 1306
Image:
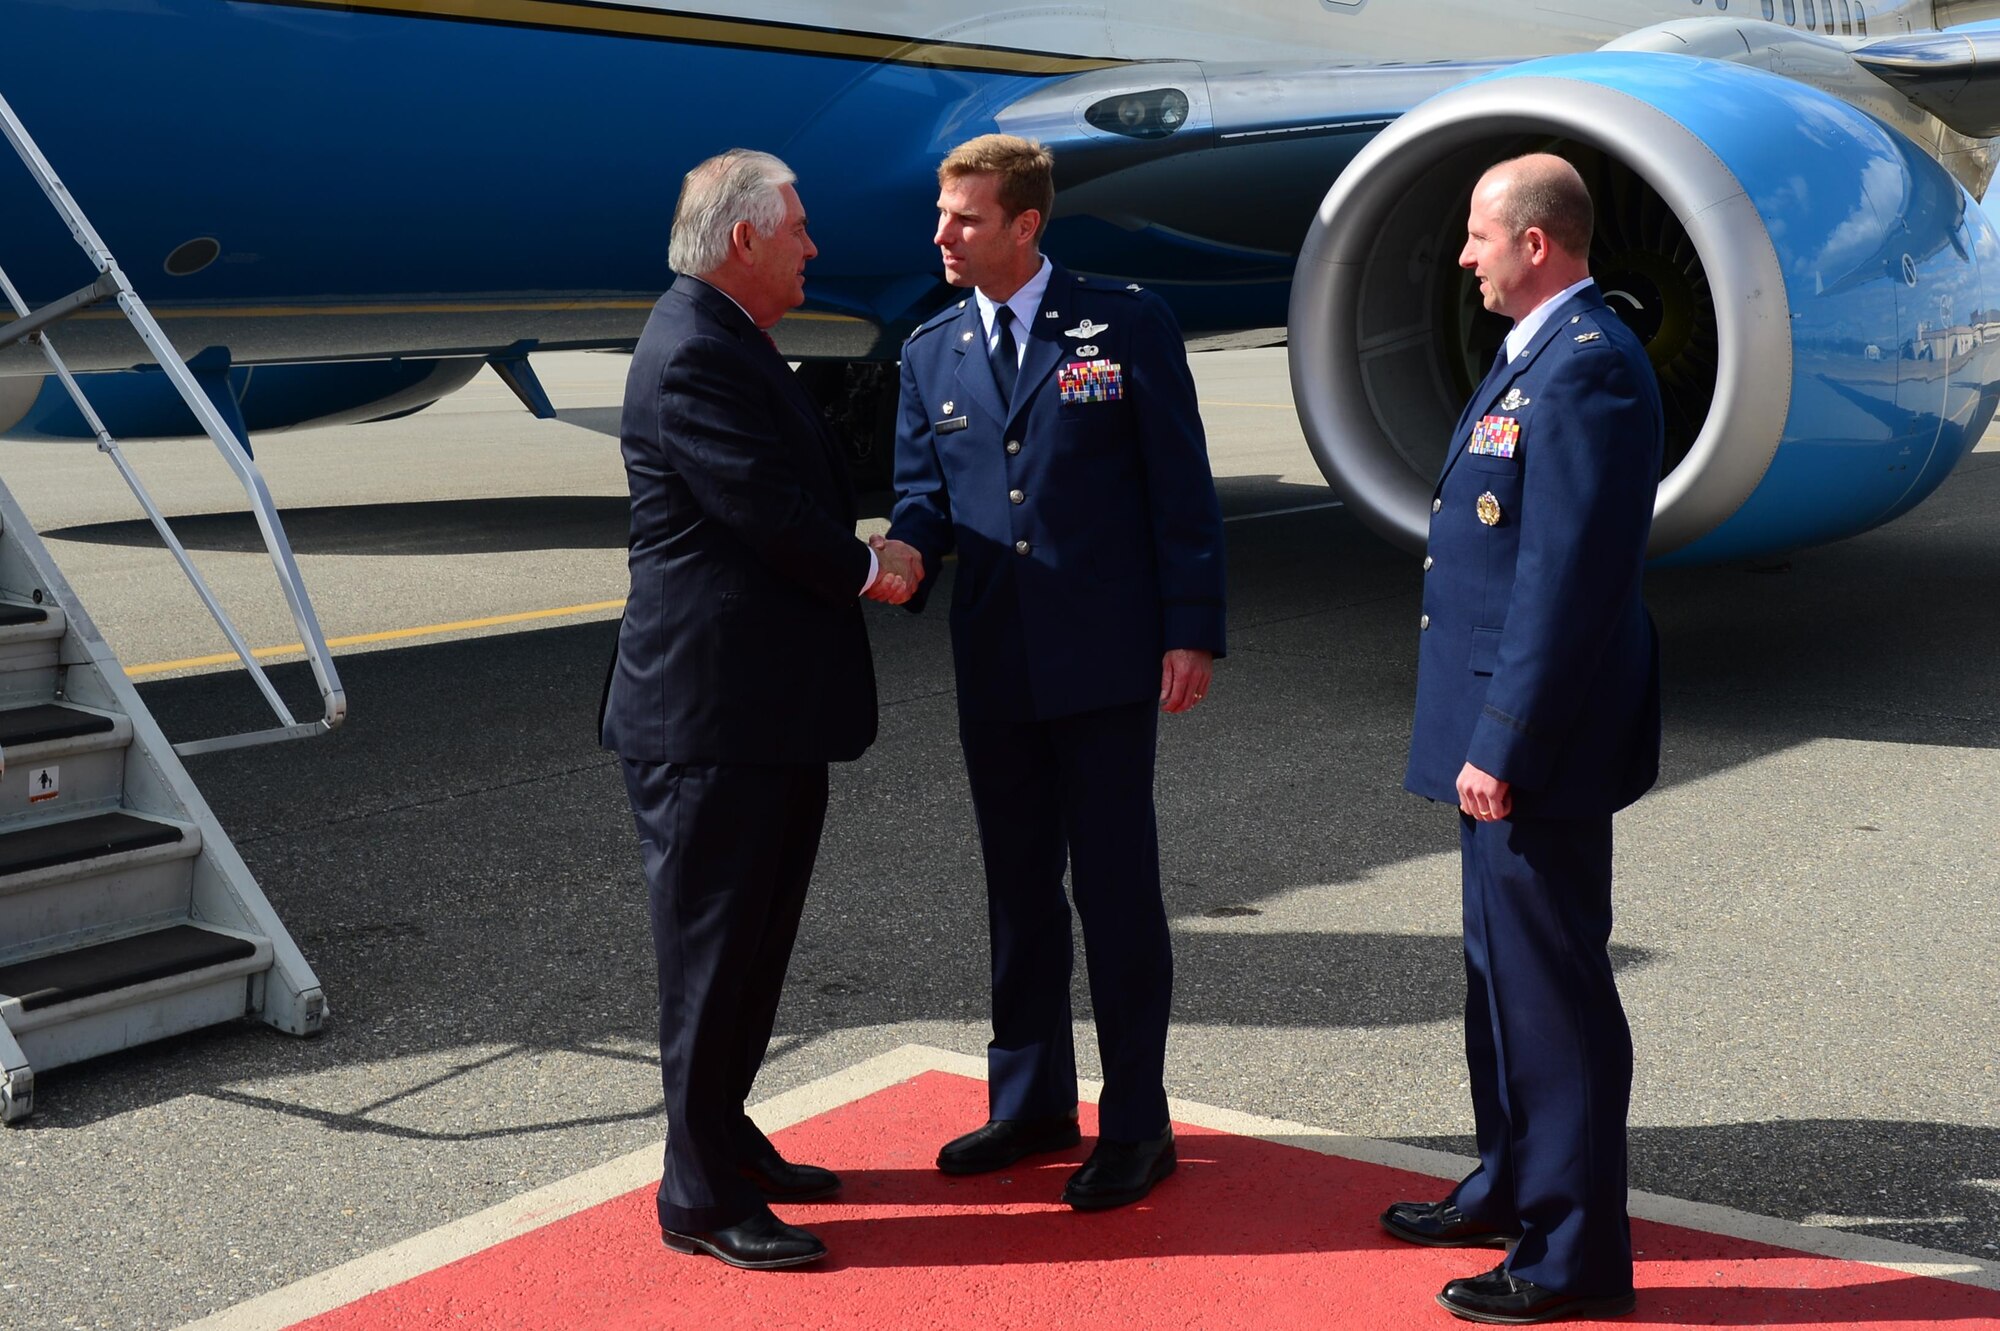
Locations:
874 570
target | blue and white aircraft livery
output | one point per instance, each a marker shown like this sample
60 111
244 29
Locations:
341 209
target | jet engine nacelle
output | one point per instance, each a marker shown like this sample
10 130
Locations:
1820 299
143 404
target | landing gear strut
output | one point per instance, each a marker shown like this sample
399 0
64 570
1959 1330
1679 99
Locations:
858 399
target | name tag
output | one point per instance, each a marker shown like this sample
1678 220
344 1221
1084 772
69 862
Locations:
1091 381
1495 437
955 423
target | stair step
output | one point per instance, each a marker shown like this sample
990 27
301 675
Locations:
119 964
45 721
13 615
49 844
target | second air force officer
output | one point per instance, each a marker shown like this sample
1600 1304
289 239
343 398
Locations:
1048 432
1538 714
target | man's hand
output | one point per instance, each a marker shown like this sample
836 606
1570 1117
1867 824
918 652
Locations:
1185 673
1482 795
901 568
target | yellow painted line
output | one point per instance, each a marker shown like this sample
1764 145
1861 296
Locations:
628 20
390 635
434 307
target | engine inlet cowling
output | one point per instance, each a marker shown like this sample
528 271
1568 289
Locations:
1811 288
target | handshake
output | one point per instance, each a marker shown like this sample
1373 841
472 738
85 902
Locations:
901 569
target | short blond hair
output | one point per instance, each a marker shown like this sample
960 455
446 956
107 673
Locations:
1025 169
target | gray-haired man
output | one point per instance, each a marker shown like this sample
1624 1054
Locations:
742 671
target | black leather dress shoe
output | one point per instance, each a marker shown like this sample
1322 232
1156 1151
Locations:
779 1180
1498 1297
761 1243
1120 1173
1441 1225
1002 1141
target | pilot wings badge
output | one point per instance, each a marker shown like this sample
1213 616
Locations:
1085 330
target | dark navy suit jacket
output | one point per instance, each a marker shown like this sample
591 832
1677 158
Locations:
1067 595
1538 663
743 640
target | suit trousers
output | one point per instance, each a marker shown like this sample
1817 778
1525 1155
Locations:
1077 793
1548 1049
728 850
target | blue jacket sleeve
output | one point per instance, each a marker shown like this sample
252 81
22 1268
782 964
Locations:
1187 518
742 470
1588 485
922 516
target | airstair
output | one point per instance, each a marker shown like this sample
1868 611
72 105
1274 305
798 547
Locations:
125 913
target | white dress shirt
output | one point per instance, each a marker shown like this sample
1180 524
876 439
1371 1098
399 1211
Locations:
1025 303
1525 329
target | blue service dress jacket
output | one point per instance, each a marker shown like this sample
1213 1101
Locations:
1083 512
743 640
1537 660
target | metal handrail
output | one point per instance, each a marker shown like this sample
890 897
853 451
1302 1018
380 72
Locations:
333 697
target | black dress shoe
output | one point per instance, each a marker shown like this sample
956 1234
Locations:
1002 1141
1441 1225
1120 1173
1498 1297
761 1243
779 1180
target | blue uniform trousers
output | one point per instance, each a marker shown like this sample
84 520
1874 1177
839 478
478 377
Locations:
728 850
1076 791
1548 1049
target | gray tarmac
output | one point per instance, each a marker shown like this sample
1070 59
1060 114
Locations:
1808 904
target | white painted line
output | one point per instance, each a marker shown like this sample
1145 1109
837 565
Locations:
530 1211
1281 512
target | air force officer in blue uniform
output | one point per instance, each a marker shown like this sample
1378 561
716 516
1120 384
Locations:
1049 434
1538 715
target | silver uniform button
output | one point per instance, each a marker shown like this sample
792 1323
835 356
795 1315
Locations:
1017 496
1013 445
1424 623
1427 563
1436 504
1020 547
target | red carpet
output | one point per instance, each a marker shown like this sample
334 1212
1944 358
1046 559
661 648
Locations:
1247 1234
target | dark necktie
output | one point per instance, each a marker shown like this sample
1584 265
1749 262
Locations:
1006 360
769 341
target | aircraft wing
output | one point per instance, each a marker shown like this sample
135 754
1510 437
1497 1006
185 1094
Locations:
1953 75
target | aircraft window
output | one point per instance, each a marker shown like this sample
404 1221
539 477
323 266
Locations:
1846 19
1812 20
1770 11
1860 20
1791 14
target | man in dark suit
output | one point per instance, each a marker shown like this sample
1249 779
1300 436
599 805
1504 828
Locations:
1538 714
1048 432
742 671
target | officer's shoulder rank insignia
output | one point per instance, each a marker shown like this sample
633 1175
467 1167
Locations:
1488 509
1514 401
1588 337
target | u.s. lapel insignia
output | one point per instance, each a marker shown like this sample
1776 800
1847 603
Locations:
1052 314
1514 401
948 406
1488 509
1085 330
965 336
1087 349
